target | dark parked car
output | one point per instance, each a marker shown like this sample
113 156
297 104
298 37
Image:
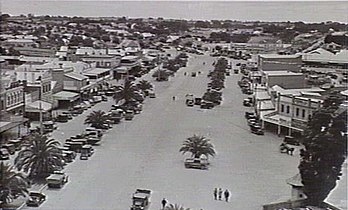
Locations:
4 154
62 118
256 129
36 199
291 140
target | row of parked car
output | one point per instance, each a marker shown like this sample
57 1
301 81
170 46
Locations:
254 123
79 144
76 110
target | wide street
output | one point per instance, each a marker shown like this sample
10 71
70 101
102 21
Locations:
144 153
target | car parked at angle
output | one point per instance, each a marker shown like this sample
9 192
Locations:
152 94
247 102
291 140
17 143
57 180
76 110
62 118
250 115
68 156
11 148
35 199
49 126
129 115
4 154
206 105
86 152
256 129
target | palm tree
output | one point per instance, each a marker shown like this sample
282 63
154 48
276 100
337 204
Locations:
125 92
12 184
198 146
175 207
144 85
41 158
97 119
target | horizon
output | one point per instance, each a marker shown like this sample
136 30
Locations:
244 11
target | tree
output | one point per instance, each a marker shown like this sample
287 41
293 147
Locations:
12 184
97 119
175 207
126 92
198 146
325 150
41 158
144 85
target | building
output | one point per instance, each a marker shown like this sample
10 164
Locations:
293 108
19 43
103 58
12 122
285 79
275 62
324 58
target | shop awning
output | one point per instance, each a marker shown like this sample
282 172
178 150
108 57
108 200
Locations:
35 106
66 96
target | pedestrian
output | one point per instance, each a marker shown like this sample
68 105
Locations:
184 73
215 193
173 98
164 203
227 195
220 193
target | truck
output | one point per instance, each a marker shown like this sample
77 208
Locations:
141 199
57 180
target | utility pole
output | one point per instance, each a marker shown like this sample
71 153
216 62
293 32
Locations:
40 107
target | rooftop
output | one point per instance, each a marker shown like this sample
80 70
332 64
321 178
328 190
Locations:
276 56
96 71
76 76
281 73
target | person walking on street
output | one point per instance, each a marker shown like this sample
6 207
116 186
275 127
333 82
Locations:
227 195
164 203
173 98
215 193
220 193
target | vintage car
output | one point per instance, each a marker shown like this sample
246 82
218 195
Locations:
129 115
141 199
291 140
57 179
197 163
35 199
256 129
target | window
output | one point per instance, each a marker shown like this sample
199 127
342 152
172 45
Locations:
282 108
287 109
297 112
303 113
